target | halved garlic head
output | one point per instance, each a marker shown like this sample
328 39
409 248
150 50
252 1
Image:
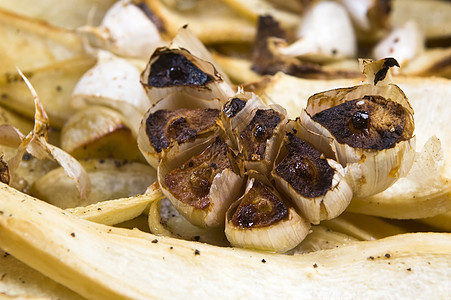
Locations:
195 180
315 184
262 220
177 70
371 127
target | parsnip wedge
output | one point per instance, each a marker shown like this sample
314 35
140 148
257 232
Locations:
101 262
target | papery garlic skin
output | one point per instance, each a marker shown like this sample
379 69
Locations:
113 82
129 32
325 33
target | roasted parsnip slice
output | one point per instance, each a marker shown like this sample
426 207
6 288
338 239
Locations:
66 14
54 83
91 259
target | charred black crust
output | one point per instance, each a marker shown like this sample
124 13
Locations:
304 168
388 63
174 69
252 215
234 106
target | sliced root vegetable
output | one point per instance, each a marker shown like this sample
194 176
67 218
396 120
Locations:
92 259
112 212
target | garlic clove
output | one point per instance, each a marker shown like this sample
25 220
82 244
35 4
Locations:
404 44
256 129
262 220
99 132
195 180
110 179
127 31
177 70
113 82
180 119
326 33
371 126
315 184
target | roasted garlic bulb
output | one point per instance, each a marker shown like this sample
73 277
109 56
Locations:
369 128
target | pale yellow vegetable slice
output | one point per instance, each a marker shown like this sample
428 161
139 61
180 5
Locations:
110 179
252 9
112 212
54 83
433 16
102 262
322 238
19 281
30 44
212 21
441 222
363 228
68 13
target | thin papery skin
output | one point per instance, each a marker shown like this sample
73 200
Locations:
36 144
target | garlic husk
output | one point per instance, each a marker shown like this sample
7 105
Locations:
113 82
403 43
127 31
216 201
326 33
280 235
177 70
267 121
100 132
173 102
110 179
318 205
370 170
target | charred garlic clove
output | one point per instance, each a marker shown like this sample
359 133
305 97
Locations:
262 220
177 70
169 122
315 184
201 182
127 30
258 130
371 127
